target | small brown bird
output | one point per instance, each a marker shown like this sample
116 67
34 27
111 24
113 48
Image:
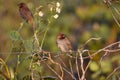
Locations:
26 14
63 43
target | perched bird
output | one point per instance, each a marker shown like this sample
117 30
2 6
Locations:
26 14
63 43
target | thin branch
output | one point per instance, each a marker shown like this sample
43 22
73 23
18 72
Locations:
71 67
35 37
76 62
103 57
52 61
69 73
53 70
90 40
115 19
87 66
62 61
46 31
82 66
105 49
4 75
31 62
44 37
21 25
6 67
112 72
32 75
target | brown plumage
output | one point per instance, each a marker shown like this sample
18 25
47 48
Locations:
26 14
63 43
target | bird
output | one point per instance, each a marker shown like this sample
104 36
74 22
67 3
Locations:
63 43
26 14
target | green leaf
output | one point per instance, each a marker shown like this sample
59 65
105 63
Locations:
14 35
94 66
38 68
23 69
29 45
106 66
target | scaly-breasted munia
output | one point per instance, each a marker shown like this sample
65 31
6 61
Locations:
26 14
63 43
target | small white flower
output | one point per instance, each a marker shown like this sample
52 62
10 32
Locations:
51 9
40 13
56 16
58 10
58 4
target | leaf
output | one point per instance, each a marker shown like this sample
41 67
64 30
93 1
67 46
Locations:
29 45
14 35
38 68
106 66
94 66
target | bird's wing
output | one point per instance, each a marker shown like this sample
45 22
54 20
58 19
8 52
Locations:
68 43
26 13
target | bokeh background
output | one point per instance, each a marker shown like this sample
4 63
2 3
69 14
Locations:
80 20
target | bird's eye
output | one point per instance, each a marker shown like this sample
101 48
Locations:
63 36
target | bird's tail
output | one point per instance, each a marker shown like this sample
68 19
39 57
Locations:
31 21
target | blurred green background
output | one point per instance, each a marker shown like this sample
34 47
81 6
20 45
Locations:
80 20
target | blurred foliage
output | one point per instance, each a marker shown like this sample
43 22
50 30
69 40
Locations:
80 20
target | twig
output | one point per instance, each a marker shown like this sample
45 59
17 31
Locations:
31 62
6 67
110 5
36 40
82 65
40 76
69 73
21 25
32 75
4 75
87 66
112 72
52 61
48 27
90 40
44 37
53 70
71 67
18 62
105 49
115 19
62 62
76 62
103 57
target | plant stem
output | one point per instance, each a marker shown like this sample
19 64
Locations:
45 34
44 38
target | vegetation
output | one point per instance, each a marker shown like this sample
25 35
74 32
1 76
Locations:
91 26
